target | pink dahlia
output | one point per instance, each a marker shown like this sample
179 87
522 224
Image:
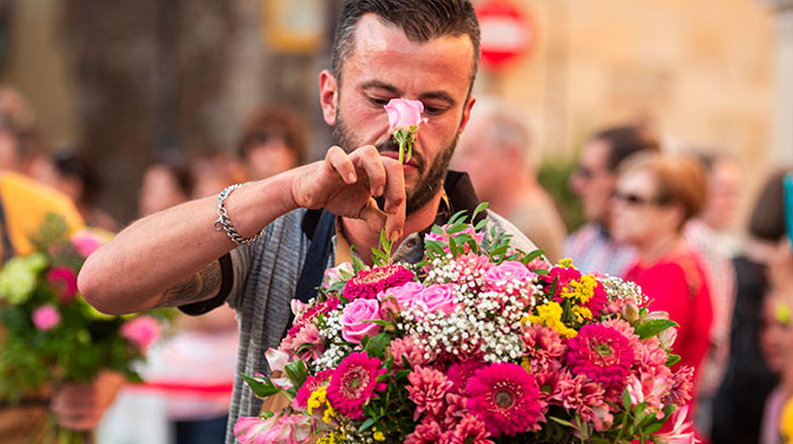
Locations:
408 349
353 382
63 282
601 353
682 387
428 432
456 409
312 383
579 394
368 283
427 389
461 372
470 430
544 347
506 398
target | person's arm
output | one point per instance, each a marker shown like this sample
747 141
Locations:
170 258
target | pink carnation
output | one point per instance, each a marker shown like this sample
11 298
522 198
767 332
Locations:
682 387
408 349
141 331
580 394
470 430
311 313
46 317
428 432
312 383
292 429
544 348
63 282
353 382
539 263
427 389
355 320
601 353
368 283
506 398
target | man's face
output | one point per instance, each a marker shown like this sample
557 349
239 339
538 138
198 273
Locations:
592 182
384 65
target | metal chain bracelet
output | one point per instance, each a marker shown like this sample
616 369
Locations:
224 223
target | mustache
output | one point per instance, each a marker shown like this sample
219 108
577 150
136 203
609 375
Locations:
390 146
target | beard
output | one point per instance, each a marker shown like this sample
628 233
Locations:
430 177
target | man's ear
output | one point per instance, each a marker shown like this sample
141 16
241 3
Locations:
469 105
328 96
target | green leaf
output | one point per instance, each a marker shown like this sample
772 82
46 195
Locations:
296 372
375 347
562 422
653 327
672 360
366 424
479 208
261 388
626 400
654 427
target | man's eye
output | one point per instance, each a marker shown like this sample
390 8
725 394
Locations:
378 101
433 110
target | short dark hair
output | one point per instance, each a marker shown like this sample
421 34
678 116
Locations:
625 141
421 20
275 122
767 221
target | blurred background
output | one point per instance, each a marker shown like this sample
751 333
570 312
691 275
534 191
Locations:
130 82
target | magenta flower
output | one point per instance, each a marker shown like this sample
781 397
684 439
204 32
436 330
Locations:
461 372
506 398
63 282
353 382
141 331
427 389
355 317
292 429
601 353
46 317
470 430
312 383
428 432
368 283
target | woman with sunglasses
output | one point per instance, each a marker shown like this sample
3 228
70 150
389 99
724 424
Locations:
654 197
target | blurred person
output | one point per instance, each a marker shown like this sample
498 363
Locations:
654 197
592 247
706 234
280 234
273 140
211 172
24 204
165 184
776 346
748 379
497 153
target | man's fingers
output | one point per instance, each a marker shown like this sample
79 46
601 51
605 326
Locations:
368 159
372 215
395 199
342 163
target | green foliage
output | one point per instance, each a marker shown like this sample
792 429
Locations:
555 178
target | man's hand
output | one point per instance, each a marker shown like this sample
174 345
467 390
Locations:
81 406
346 185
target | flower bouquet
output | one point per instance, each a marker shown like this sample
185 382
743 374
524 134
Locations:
478 343
51 335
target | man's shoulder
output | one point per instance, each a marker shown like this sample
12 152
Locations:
519 240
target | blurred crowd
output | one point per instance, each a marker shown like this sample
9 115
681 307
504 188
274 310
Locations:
660 219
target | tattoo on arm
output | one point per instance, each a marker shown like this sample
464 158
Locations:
201 285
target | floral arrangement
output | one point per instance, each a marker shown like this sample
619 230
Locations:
50 333
478 343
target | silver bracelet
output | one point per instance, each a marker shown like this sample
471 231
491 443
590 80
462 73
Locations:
224 223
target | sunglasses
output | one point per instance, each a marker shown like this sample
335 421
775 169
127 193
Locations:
636 200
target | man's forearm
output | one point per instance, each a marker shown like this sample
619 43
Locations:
170 258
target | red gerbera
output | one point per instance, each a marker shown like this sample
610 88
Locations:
506 398
368 283
602 353
353 382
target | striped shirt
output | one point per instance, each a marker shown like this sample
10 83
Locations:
594 251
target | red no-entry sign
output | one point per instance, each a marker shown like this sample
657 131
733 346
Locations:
507 32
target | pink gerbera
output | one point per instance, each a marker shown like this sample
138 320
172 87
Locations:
506 398
353 382
427 389
312 383
601 353
368 283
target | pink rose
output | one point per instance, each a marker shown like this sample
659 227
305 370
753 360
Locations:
337 274
46 317
353 327
141 331
402 295
86 242
403 113
437 298
63 282
508 272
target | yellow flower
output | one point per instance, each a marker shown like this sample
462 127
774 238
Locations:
581 290
336 437
378 435
566 263
550 315
582 313
318 398
328 415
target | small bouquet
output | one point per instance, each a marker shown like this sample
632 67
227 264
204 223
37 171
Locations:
51 334
478 343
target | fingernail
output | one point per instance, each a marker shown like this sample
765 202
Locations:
351 177
395 235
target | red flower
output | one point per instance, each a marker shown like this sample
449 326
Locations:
506 398
353 382
368 283
63 282
312 383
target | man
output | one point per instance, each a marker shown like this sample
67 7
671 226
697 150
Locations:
24 204
415 49
496 152
591 247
